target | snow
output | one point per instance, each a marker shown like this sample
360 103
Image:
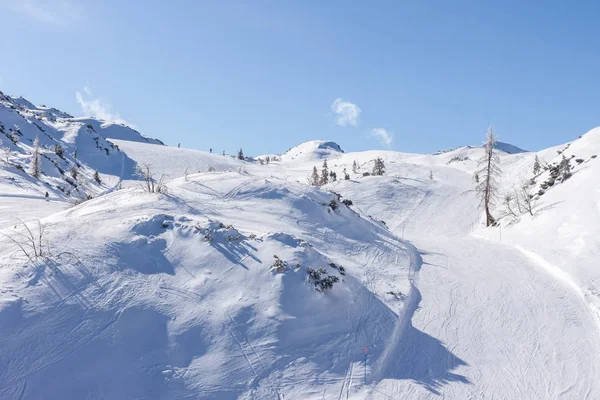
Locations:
178 295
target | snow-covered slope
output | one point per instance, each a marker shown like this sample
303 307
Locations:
209 290
168 296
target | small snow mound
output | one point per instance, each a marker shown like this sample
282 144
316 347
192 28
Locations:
314 149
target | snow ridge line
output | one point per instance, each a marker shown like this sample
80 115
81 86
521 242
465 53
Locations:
565 278
405 317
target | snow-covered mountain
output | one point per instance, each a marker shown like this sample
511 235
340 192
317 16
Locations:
66 144
239 280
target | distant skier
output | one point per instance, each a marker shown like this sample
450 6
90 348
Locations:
211 151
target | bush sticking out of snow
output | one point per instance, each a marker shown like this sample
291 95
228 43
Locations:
320 279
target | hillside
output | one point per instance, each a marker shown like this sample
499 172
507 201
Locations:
240 280
178 294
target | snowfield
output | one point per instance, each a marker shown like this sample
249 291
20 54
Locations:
241 281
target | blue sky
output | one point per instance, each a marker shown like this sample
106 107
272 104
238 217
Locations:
411 76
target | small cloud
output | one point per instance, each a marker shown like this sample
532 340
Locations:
384 137
56 13
346 113
99 108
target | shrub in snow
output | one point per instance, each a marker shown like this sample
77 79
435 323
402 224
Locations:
97 177
366 174
579 160
333 204
58 150
320 279
341 269
74 173
31 241
279 266
150 184
347 202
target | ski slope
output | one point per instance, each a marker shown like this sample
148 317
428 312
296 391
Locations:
177 295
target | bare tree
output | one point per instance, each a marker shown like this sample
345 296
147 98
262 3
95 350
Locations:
35 163
31 242
527 199
487 187
151 185
508 201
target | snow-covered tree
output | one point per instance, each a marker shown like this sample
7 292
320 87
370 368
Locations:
36 162
5 153
565 168
324 173
536 165
58 150
240 155
346 175
378 167
354 167
314 179
333 176
487 177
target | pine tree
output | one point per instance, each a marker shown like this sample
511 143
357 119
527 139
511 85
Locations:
378 167
346 175
333 176
58 150
314 179
536 165
565 168
354 167
487 177
97 177
35 163
241 155
324 174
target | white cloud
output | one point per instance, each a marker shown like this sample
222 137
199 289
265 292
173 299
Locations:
384 137
51 12
346 113
99 108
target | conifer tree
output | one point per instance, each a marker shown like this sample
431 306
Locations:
487 177
324 173
35 163
378 167
536 165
